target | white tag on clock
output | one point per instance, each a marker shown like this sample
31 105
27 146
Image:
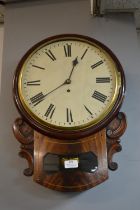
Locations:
71 163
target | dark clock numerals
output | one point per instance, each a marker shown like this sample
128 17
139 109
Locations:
84 54
59 104
50 111
51 55
99 96
69 115
67 50
37 98
97 64
33 83
38 67
103 80
88 110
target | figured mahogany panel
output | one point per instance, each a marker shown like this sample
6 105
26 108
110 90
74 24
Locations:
76 180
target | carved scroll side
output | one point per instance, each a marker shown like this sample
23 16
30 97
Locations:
114 131
25 135
23 132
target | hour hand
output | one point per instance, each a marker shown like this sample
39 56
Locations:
74 63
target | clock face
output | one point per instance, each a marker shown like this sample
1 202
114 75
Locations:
68 83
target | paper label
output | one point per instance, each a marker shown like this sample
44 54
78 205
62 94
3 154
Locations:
71 163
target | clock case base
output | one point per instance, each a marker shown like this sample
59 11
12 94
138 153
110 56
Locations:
104 144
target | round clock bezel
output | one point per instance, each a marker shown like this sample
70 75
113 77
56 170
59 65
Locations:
60 133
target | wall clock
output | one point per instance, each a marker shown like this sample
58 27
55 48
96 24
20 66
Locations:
69 89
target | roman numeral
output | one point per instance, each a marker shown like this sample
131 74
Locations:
67 50
51 55
32 83
103 80
39 67
37 98
84 54
69 115
50 111
99 96
88 110
97 64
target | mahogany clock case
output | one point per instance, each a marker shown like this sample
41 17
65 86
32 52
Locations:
68 134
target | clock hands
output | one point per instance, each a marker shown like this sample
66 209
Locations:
40 97
67 81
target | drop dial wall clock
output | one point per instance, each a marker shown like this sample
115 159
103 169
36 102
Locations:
68 90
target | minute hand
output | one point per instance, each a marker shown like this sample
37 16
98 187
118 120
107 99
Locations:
40 97
64 83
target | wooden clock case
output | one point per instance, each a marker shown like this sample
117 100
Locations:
104 144
101 139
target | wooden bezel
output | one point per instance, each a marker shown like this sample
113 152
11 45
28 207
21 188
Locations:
68 134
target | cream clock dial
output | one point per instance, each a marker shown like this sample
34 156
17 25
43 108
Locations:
68 82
